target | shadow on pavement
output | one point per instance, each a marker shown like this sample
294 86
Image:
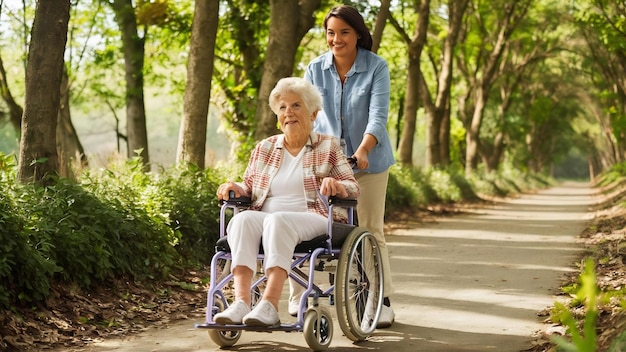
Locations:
400 338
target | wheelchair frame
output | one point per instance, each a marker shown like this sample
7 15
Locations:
356 286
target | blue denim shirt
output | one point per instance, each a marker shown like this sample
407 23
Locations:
363 101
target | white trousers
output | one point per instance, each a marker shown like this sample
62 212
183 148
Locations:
279 232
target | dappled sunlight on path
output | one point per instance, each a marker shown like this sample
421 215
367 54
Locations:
491 270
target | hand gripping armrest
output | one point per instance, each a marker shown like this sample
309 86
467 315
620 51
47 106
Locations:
242 202
342 202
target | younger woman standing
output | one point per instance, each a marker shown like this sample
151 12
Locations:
355 87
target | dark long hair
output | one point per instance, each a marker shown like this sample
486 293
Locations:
352 17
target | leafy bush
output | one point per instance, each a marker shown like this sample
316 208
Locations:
446 191
508 180
25 266
410 187
114 222
407 188
465 188
613 175
188 195
25 269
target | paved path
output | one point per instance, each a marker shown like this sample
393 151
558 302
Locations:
472 282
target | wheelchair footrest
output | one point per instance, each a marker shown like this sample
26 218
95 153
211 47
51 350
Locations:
281 327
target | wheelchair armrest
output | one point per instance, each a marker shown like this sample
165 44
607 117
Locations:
237 201
342 202
242 202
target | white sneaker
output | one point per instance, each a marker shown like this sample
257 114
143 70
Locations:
387 317
233 314
264 314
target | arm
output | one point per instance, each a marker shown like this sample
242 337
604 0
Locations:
378 111
241 189
340 180
367 144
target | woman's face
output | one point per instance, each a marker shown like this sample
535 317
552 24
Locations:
341 38
294 118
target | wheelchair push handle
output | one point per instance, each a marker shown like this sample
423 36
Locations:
352 161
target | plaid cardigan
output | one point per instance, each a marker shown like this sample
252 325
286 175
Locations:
323 157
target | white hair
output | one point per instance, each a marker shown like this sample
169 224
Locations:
310 95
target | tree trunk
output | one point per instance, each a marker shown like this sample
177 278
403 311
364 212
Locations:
493 158
411 105
134 52
38 154
379 26
441 114
193 128
289 23
15 110
411 100
70 150
473 133
444 135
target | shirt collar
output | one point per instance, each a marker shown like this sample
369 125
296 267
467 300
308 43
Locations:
360 63
312 142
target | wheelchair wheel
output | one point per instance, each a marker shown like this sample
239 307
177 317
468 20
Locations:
318 328
223 338
359 285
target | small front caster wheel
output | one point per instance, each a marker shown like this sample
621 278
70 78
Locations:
318 328
223 338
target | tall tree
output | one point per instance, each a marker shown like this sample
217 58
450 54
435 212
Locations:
193 128
69 148
520 55
38 155
604 31
437 105
238 68
379 26
415 47
134 52
289 22
493 25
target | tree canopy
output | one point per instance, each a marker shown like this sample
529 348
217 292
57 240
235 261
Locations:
475 84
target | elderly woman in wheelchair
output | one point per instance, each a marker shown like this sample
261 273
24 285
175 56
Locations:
283 177
294 207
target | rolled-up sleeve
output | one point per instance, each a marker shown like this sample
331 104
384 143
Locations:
379 102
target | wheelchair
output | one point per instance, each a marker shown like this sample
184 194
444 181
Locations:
349 254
